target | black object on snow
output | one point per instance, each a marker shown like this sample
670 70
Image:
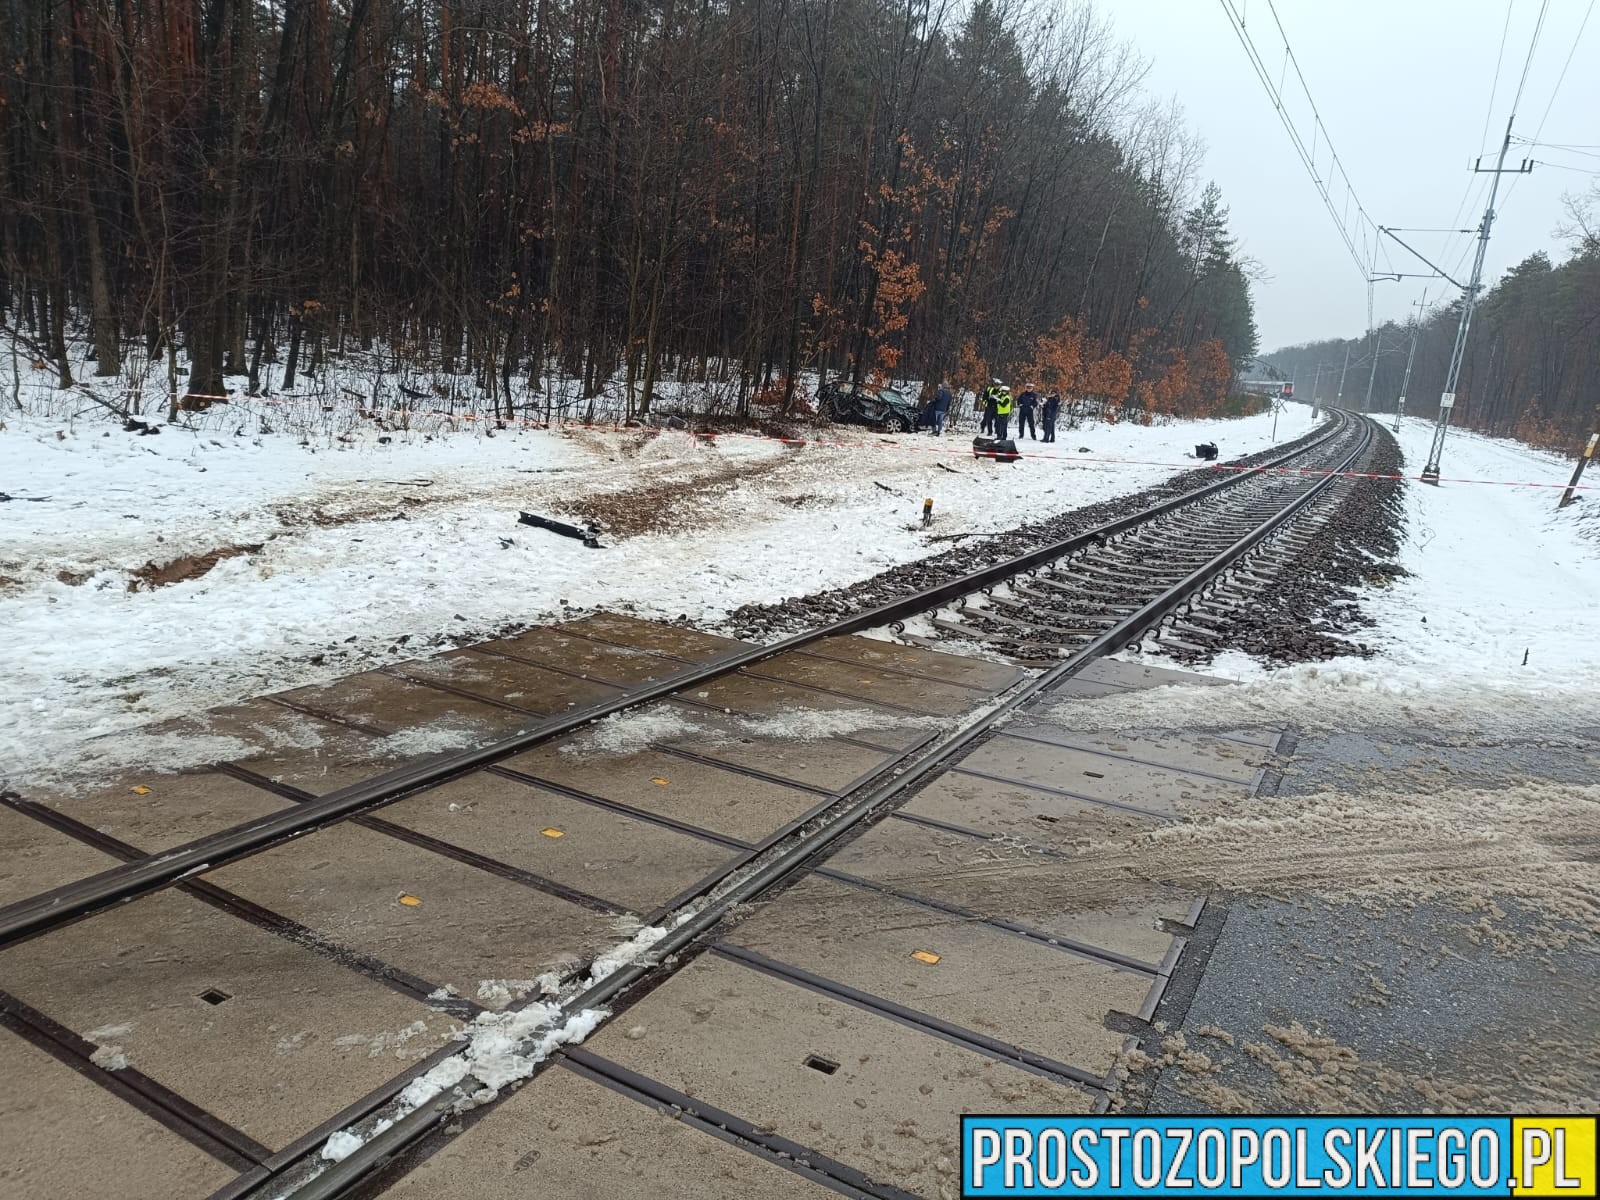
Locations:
561 527
1005 451
1206 450
140 427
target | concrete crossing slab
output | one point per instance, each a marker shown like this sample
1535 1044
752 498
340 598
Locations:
269 1036
566 1135
817 761
1077 899
557 646
155 812
977 673
508 680
994 808
654 636
386 704
35 858
1156 789
924 696
1188 752
857 718
704 797
866 1090
996 983
446 921
632 862
83 1141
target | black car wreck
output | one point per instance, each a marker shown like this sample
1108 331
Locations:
880 407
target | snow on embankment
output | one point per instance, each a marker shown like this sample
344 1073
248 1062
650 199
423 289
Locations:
280 564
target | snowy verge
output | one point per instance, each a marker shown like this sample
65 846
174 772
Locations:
1501 606
342 553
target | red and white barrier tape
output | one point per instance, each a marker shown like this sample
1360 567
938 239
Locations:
878 443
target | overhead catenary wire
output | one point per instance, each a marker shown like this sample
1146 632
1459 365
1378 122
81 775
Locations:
1556 90
1527 63
1494 88
1578 150
1561 78
1366 232
1564 167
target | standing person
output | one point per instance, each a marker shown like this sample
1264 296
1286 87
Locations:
941 408
1002 412
988 401
1052 410
1026 403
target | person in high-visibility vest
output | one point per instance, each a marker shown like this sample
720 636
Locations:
1002 412
986 401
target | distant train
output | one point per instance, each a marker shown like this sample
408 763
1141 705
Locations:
1268 387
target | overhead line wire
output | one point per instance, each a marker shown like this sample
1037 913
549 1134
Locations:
1368 235
1494 88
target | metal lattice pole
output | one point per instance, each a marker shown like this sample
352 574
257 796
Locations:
1411 357
1447 399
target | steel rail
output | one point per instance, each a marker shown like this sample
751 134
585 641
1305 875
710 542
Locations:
95 893
336 1181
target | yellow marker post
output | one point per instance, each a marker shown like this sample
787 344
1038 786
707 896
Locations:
925 956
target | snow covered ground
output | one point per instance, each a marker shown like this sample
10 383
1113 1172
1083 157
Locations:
333 547
1497 574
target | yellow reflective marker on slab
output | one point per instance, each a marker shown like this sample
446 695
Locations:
926 956
553 833
660 782
409 901
141 790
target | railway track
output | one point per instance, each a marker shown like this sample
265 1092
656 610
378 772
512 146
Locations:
1055 610
1052 611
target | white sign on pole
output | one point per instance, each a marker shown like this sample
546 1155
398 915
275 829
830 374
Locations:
1447 400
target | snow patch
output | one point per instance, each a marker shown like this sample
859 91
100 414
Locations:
497 993
630 732
435 737
378 1044
109 1058
84 660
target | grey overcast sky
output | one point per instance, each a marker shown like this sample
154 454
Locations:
1403 88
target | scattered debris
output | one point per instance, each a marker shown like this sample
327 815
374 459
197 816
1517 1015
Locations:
999 451
561 527
1206 451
